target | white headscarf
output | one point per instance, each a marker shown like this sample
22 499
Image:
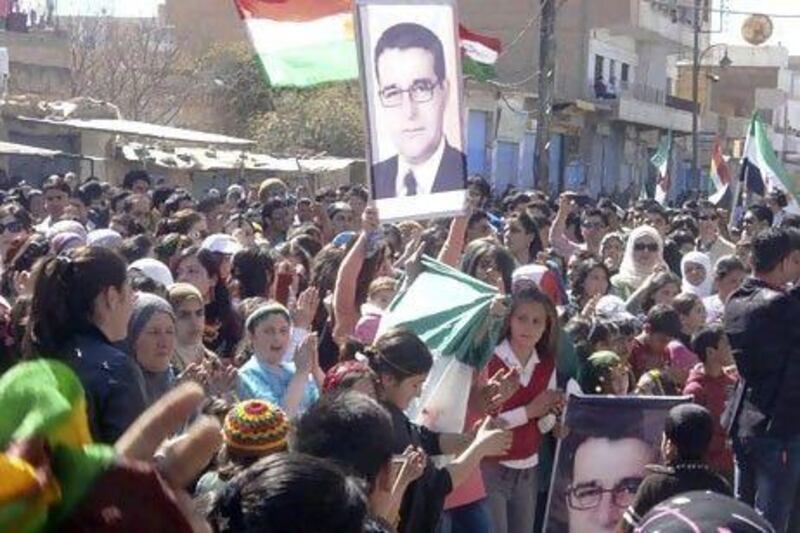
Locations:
704 289
629 272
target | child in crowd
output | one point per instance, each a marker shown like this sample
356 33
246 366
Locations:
350 375
252 429
604 373
729 273
687 434
291 385
379 296
401 362
529 345
661 326
692 314
710 384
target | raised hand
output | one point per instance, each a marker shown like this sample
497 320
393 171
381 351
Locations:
306 308
306 354
184 458
548 401
221 380
413 265
492 441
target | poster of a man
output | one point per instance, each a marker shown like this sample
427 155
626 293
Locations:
412 84
601 462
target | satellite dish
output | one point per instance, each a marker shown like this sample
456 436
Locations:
757 29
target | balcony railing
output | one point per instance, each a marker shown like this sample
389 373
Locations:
638 91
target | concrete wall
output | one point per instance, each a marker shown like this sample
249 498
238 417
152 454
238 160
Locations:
39 62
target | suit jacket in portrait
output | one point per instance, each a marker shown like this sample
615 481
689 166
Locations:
451 175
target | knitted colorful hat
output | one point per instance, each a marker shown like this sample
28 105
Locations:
255 427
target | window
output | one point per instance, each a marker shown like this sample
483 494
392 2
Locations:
625 73
477 135
598 67
612 71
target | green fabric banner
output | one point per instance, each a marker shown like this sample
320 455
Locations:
449 311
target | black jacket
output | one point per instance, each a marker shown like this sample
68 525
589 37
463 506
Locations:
423 501
763 327
451 176
113 382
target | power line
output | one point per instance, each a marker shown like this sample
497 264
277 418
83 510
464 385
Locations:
675 5
528 25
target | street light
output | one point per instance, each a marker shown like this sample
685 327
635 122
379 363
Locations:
697 58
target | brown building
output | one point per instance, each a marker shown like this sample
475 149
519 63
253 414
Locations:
39 62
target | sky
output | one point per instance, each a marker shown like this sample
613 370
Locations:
786 29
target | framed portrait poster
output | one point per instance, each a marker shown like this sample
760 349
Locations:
409 58
601 462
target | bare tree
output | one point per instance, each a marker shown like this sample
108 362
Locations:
135 64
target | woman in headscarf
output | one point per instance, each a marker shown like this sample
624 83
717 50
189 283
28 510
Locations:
151 337
696 273
643 253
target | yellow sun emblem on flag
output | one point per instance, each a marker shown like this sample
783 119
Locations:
349 29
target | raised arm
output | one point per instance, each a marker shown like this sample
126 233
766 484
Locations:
345 310
454 245
558 238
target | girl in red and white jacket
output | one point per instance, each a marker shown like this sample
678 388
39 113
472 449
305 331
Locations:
529 345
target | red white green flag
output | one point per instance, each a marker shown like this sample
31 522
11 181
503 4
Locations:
306 42
302 42
480 53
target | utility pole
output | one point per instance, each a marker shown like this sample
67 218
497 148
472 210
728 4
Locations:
547 66
696 180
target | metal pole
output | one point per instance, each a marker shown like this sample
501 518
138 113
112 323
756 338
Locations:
786 97
696 181
545 101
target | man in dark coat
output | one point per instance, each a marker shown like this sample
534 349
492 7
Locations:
761 320
413 91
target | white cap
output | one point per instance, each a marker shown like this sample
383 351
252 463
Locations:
66 226
153 269
106 238
221 243
610 307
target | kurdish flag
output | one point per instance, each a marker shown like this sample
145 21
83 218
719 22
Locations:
479 54
306 42
761 169
302 42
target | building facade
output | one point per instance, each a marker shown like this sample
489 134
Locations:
614 92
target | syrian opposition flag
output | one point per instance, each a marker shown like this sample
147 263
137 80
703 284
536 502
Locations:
761 169
720 175
479 54
302 42
661 160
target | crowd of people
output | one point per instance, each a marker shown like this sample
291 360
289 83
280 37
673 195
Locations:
262 305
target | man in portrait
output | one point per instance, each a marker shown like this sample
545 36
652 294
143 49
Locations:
413 90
